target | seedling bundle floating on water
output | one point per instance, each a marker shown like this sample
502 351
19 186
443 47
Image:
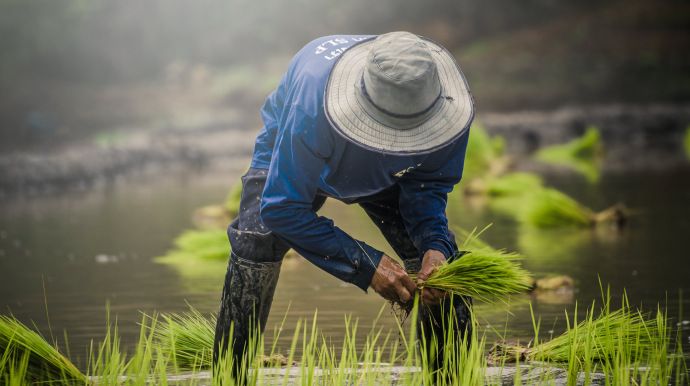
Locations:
210 243
485 154
513 184
582 154
613 333
551 208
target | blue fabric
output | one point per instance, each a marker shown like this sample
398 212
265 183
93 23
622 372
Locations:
305 157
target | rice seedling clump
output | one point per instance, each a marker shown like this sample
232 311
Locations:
549 208
484 154
187 339
486 274
205 244
232 202
42 361
587 146
513 184
581 155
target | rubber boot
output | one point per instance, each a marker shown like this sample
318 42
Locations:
433 322
250 284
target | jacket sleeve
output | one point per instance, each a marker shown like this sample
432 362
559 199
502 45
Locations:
301 148
423 200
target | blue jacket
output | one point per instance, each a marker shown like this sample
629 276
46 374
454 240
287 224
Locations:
305 155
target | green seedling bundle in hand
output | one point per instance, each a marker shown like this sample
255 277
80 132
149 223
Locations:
485 274
481 272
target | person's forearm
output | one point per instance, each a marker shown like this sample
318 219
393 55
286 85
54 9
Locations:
322 243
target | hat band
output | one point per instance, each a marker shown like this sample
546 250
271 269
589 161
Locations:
392 114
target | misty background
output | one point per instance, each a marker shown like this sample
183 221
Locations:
94 71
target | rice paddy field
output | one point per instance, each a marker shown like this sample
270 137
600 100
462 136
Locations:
81 252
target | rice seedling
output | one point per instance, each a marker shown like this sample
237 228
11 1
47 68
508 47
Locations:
484 154
31 357
616 342
581 155
486 274
187 339
550 208
232 201
512 184
615 348
473 242
204 244
587 146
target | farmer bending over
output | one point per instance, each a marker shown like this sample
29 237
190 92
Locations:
381 122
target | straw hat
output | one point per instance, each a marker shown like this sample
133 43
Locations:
398 94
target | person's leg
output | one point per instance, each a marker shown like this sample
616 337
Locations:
252 274
385 213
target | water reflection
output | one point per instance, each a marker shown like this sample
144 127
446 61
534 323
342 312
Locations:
60 239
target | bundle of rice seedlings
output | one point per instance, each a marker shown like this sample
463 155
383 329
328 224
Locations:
485 274
205 244
592 339
211 216
484 154
512 184
187 339
551 208
473 242
581 155
587 146
41 362
232 202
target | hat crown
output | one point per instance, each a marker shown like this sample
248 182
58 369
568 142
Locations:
402 56
400 76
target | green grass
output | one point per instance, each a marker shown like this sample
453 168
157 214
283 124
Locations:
581 155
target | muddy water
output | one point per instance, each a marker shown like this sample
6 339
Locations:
98 248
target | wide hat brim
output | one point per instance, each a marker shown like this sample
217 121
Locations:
446 123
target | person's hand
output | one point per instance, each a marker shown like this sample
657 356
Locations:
432 259
392 282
